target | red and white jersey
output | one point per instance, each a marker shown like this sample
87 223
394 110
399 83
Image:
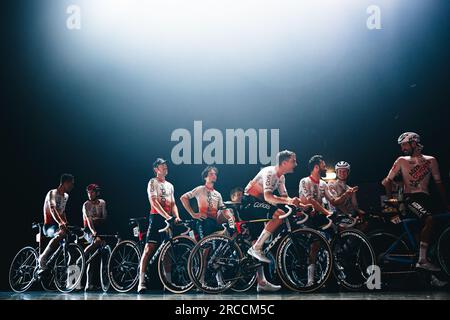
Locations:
416 172
209 200
312 188
266 180
163 193
338 188
94 210
53 199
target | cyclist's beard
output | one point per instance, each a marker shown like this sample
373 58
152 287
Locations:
323 173
409 152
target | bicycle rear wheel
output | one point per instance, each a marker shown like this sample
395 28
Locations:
123 266
105 254
299 250
352 255
248 272
22 269
69 267
173 264
214 264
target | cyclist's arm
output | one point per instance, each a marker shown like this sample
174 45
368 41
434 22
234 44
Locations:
155 204
175 208
56 215
274 199
316 205
89 221
387 182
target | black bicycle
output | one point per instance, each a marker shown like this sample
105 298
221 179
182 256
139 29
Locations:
218 261
172 256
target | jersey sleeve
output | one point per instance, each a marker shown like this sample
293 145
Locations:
152 189
396 168
330 192
282 187
268 180
435 170
194 193
303 190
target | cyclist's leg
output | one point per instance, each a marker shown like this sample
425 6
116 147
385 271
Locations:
156 222
56 236
421 205
94 245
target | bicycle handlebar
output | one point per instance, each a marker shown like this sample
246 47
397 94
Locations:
287 214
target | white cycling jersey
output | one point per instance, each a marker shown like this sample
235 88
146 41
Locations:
311 188
163 193
94 210
416 172
209 200
53 199
336 189
266 180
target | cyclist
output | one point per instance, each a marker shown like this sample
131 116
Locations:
163 207
211 208
94 218
259 202
342 196
313 191
55 220
416 170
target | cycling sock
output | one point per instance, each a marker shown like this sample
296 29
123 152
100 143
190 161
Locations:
142 278
262 238
261 276
423 252
311 271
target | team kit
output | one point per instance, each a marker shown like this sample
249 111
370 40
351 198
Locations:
261 239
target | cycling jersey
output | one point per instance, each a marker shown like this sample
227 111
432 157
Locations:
311 188
163 193
266 180
335 190
209 200
94 210
416 172
54 199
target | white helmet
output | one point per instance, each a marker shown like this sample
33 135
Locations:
342 165
408 137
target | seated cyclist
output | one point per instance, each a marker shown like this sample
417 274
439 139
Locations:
313 190
343 197
416 170
55 220
211 209
260 202
94 218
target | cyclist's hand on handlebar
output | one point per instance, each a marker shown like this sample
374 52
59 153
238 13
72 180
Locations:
296 202
177 220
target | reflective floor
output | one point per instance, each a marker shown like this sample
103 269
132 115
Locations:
157 295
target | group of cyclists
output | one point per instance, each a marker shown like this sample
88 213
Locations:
264 197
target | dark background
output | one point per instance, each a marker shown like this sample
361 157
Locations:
86 105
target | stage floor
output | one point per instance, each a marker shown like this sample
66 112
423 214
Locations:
158 295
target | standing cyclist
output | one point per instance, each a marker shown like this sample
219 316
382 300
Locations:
163 207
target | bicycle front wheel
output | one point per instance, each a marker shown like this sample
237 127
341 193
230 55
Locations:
69 267
304 260
123 266
352 255
214 264
173 264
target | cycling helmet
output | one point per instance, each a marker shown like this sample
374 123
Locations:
93 187
408 137
342 165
